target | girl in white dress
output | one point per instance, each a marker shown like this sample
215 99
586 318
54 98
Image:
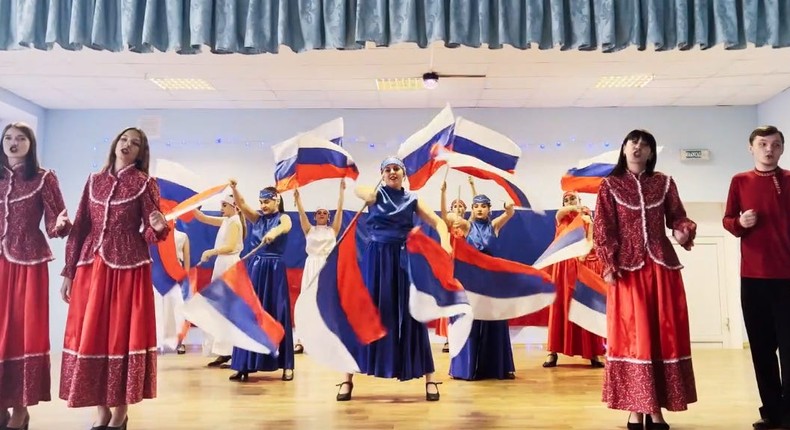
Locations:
227 247
167 308
319 241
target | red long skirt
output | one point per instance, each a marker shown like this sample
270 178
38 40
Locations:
109 352
24 334
648 364
566 337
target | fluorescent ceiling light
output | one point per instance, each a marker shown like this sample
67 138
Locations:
627 81
187 84
399 84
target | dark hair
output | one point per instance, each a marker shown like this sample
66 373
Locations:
141 163
636 136
31 159
281 206
766 130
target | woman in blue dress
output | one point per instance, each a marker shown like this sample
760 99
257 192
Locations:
405 352
270 227
487 353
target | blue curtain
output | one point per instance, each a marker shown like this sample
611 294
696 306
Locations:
263 26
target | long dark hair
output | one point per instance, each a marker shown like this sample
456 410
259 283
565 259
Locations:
31 159
281 206
636 136
141 163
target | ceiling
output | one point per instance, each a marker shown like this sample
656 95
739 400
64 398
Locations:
88 79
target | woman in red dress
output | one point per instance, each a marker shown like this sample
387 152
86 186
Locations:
564 336
109 352
28 192
648 364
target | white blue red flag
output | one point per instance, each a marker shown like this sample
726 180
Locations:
228 309
586 177
500 289
488 146
286 153
335 313
571 242
415 152
318 158
588 304
434 292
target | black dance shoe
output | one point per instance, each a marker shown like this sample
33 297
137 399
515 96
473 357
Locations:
432 397
345 396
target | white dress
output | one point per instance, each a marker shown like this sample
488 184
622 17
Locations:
319 241
221 264
169 318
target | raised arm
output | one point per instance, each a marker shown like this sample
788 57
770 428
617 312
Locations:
56 218
732 211
437 223
338 221
305 223
683 228
565 210
474 192
606 241
501 220
205 219
185 249
443 204
248 212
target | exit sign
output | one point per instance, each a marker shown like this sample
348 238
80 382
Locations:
694 154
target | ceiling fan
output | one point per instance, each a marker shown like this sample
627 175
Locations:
429 80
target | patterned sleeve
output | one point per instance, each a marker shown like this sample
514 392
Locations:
676 213
150 204
79 232
605 237
53 206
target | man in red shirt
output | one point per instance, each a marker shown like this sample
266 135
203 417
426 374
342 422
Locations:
757 211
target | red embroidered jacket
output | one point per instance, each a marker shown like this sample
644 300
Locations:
24 202
112 221
631 211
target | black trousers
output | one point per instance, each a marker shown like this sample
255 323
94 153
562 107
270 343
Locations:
766 313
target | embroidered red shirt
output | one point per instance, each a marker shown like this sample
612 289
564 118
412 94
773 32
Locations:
765 248
631 212
112 221
24 203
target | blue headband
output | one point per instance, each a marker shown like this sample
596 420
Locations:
267 194
481 199
392 160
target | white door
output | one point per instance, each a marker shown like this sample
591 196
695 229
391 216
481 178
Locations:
704 279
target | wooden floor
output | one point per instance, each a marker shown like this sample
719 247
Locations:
192 396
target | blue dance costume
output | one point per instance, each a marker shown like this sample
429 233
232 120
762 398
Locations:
405 352
487 354
267 273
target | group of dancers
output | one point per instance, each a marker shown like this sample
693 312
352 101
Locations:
110 342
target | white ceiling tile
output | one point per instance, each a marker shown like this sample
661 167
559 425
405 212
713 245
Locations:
306 104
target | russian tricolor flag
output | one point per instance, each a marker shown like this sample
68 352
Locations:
318 158
434 292
571 242
587 176
229 310
486 145
286 153
500 289
588 304
416 150
335 313
479 169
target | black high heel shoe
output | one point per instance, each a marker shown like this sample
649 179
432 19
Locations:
634 426
219 361
181 349
239 376
121 427
25 424
650 425
596 364
288 376
298 349
345 396
432 397
446 347
551 360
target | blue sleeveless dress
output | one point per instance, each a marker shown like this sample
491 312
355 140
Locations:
405 352
488 353
267 273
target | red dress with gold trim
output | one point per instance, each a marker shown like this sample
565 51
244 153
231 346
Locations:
566 337
109 353
24 284
649 352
